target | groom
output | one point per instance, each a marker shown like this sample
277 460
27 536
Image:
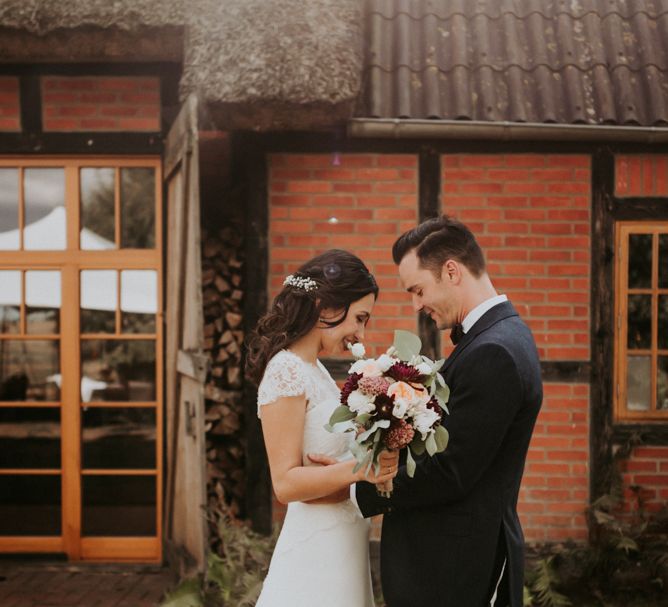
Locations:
451 535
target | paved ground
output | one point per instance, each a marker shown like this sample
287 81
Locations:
42 584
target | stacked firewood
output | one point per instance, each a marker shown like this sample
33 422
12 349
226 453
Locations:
222 271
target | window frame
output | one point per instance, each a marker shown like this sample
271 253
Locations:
70 262
623 229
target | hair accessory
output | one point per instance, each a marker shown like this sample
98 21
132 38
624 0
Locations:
332 271
300 282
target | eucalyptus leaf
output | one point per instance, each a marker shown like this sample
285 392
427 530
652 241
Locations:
410 463
417 445
430 444
382 423
406 344
437 367
443 392
362 418
441 436
341 414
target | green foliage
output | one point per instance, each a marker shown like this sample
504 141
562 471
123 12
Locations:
624 565
543 583
233 579
187 594
406 344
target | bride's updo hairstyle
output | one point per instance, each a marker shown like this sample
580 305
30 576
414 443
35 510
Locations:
333 280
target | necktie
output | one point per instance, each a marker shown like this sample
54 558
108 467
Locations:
456 333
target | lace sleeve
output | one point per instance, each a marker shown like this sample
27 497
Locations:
284 376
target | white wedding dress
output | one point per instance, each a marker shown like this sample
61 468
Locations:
321 558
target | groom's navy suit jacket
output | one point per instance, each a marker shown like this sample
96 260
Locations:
447 531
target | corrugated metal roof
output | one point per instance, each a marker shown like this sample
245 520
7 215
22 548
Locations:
540 61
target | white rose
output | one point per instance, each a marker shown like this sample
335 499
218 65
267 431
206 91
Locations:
400 408
366 367
424 421
357 350
384 362
358 402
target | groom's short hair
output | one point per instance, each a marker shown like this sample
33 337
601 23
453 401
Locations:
439 239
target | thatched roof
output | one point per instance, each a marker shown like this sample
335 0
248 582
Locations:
258 63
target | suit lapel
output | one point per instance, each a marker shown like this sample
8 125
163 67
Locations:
491 317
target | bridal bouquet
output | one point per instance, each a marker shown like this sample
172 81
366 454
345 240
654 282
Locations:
396 400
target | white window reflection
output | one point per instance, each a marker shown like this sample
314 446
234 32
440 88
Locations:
99 296
45 217
139 300
42 302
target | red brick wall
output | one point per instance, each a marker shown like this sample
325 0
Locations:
87 103
645 477
555 487
645 474
373 197
641 175
10 113
531 215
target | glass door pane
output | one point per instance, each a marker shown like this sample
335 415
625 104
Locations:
118 505
98 208
30 504
45 219
10 238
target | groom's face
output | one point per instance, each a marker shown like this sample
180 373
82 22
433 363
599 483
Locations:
431 295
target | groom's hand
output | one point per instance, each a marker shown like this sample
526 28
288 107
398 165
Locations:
332 498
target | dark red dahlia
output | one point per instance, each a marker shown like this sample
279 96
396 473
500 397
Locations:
404 372
349 386
384 405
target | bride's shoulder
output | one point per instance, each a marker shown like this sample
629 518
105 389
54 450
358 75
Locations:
284 359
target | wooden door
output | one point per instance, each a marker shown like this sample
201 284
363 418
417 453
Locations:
80 357
186 363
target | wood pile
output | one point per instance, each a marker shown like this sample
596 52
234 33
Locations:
222 281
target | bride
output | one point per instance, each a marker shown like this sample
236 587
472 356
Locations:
321 557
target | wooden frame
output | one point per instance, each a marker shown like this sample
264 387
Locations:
622 232
70 262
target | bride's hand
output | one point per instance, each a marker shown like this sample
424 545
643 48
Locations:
388 465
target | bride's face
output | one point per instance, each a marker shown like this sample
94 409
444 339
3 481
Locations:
335 340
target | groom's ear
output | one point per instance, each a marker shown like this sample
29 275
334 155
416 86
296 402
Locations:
451 271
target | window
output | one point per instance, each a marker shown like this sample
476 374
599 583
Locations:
641 328
80 357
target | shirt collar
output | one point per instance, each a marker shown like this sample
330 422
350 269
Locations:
472 317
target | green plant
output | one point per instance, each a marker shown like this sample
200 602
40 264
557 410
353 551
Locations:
233 578
624 564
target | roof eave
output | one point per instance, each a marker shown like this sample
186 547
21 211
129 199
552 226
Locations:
398 128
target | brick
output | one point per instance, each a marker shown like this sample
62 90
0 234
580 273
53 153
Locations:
353 187
395 187
138 124
397 160
579 161
559 175
525 160
320 187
